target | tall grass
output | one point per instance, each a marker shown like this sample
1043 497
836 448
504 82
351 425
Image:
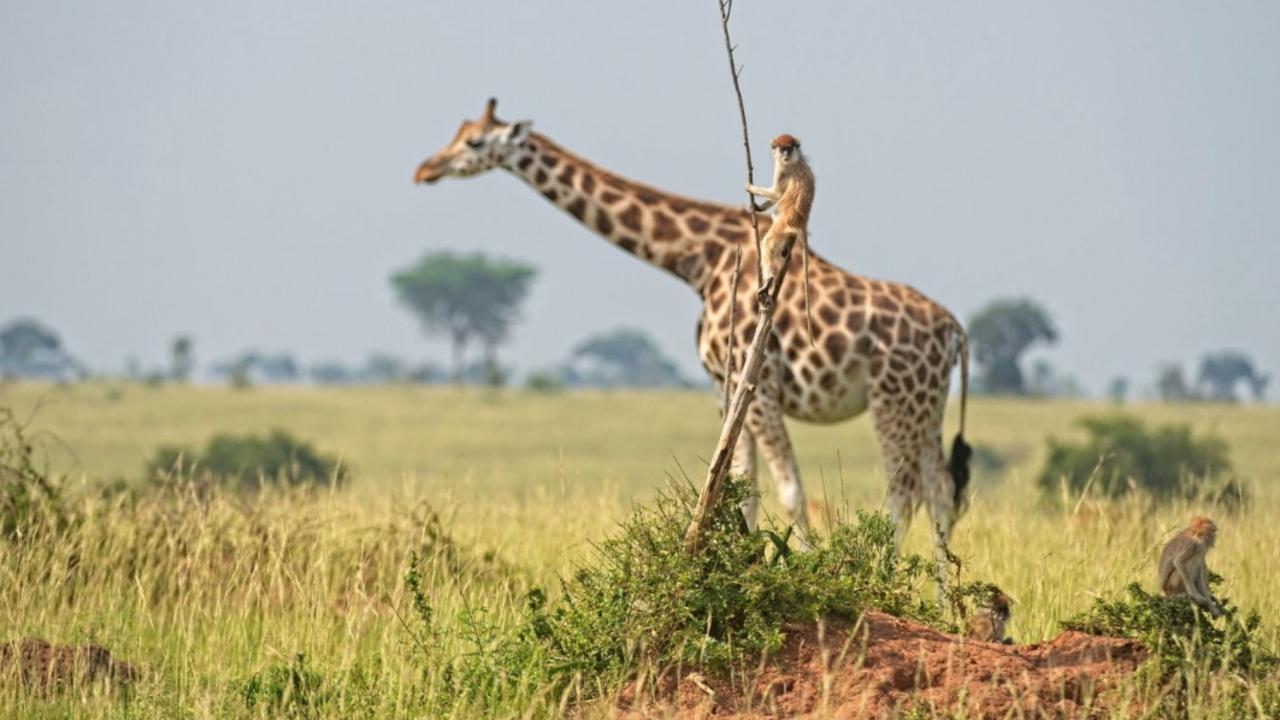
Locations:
293 601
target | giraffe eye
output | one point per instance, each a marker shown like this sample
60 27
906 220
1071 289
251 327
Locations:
475 143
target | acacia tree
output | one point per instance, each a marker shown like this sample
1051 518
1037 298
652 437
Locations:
999 335
1222 371
1172 385
181 358
465 297
622 357
29 349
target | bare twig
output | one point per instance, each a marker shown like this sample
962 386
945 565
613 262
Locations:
808 315
733 329
732 428
726 9
735 70
767 297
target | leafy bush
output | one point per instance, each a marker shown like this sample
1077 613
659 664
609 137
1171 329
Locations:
1181 637
28 496
247 460
544 381
290 690
988 460
644 600
1167 462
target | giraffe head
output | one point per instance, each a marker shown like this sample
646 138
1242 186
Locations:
478 146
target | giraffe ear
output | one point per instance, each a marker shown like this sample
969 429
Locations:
517 132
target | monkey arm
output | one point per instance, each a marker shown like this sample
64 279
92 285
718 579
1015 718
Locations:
770 195
1192 584
1203 586
1165 574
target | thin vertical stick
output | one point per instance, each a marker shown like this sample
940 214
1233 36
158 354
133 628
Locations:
720 460
767 300
733 329
726 9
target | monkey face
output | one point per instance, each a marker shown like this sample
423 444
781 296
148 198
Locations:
1000 606
786 149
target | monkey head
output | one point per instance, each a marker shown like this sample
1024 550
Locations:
1000 606
1204 530
786 149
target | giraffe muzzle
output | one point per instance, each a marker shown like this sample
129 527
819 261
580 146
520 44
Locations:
428 173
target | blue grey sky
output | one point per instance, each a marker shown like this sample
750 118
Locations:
241 171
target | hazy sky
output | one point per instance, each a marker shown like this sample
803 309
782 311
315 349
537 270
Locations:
241 170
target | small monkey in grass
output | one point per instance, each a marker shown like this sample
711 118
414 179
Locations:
988 623
1182 570
792 193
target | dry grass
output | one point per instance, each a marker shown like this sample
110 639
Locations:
202 594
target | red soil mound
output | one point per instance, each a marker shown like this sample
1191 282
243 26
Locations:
37 664
886 666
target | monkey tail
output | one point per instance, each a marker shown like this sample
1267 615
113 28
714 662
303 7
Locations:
961 452
808 314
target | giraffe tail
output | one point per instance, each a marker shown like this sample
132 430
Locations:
961 451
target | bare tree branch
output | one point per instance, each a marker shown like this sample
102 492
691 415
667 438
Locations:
726 8
713 488
767 298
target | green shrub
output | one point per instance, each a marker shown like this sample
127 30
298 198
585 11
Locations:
544 382
1166 462
989 461
1184 641
28 496
289 690
248 460
642 600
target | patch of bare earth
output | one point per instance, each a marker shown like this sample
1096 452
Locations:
39 665
884 666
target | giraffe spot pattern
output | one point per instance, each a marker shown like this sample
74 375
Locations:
630 218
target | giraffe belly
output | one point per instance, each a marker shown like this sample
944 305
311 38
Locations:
838 401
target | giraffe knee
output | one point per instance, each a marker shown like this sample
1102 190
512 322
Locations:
791 495
900 511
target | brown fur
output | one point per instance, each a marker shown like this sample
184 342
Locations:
785 140
793 182
1182 569
988 623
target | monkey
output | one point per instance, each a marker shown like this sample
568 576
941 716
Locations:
792 192
987 625
1182 569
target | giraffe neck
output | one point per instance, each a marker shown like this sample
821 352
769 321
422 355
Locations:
687 238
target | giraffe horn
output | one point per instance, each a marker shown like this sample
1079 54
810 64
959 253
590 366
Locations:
489 107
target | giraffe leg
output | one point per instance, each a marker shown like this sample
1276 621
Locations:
911 442
901 467
937 490
744 466
764 420
939 486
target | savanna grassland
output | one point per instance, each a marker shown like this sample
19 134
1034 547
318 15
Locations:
217 597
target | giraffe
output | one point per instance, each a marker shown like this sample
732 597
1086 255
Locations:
878 346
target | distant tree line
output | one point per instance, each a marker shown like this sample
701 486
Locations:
1219 379
1006 329
474 301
